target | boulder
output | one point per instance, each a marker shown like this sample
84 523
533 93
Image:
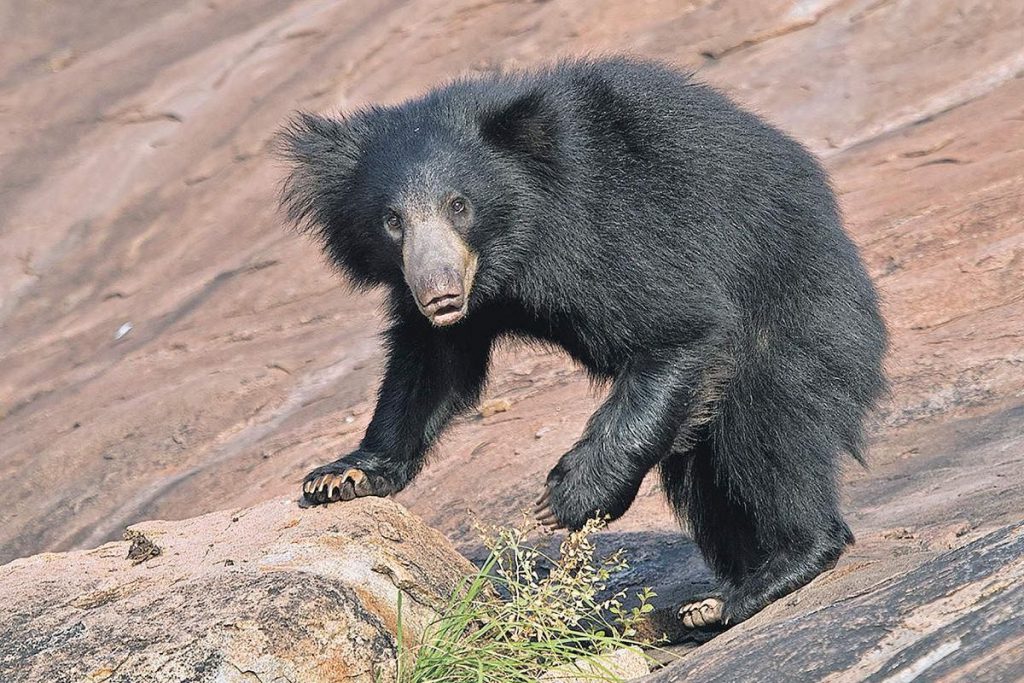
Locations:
267 593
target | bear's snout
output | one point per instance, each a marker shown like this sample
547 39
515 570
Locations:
439 269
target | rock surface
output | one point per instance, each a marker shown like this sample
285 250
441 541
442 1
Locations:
625 664
147 198
269 593
956 617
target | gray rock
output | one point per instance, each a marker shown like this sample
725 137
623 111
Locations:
956 617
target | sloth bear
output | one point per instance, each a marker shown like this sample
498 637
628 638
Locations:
679 248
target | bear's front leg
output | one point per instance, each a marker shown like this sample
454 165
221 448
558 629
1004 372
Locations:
430 377
650 402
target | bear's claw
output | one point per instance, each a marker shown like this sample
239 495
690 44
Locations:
329 487
543 513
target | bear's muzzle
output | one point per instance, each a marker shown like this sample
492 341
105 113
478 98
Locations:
439 269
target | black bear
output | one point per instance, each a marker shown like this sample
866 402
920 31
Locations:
676 246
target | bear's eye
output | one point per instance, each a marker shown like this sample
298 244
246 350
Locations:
458 205
393 221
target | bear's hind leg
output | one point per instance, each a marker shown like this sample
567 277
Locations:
788 566
766 521
724 535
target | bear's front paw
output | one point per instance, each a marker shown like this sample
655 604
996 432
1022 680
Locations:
575 493
345 479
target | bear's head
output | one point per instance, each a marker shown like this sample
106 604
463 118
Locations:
437 197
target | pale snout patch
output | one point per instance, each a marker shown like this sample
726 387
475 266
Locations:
439 268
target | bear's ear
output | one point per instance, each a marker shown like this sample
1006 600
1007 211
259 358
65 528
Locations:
323 154
527 125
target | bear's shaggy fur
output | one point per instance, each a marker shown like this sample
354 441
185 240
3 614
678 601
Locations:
676 246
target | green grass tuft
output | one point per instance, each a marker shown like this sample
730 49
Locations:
510 622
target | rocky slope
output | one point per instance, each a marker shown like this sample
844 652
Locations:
136 190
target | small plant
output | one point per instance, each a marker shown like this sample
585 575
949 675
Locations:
512 622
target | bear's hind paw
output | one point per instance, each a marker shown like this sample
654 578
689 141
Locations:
701 614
